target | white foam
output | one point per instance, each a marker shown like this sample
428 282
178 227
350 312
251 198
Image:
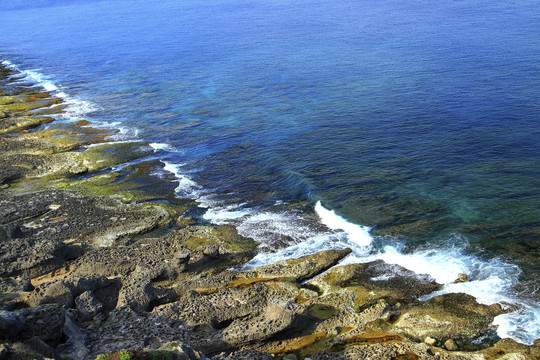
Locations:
312 245
223 215
162 147
522 325
490 282
442 265
355 233
74 108
186 187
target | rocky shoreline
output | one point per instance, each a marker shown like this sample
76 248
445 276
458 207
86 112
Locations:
101 262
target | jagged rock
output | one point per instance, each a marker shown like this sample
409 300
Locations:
393 350
165 258
301 268
44 321
184 352
451 315
53 220
88 305
63 291
78 169
81 284
10 324
353 320
21 351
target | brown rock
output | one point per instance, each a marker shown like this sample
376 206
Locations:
451 345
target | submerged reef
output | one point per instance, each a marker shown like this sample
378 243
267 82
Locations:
98 261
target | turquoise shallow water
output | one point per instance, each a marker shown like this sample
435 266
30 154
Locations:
419 120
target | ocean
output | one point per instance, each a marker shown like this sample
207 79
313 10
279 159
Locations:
407 131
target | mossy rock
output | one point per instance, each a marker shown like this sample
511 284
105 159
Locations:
456 316
301 268
375 280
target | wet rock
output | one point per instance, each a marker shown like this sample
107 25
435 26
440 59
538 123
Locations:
375 280
302 268
183 221
20 123
451 315
509 349
462 278
88 305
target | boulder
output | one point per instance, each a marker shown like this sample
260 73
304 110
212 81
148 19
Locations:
451 345
44 322
57 293
88 305
462 278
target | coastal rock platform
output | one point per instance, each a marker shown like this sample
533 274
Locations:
99 262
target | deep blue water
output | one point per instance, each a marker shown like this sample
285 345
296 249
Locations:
418 119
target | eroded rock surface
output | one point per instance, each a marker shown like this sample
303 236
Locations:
97 259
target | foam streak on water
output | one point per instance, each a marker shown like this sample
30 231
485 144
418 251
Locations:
186 188
74 108
355 233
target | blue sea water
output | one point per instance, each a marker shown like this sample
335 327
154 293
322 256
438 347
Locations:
405 130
